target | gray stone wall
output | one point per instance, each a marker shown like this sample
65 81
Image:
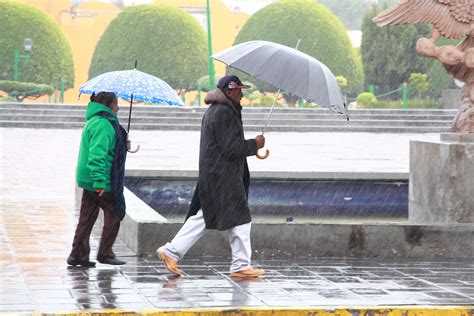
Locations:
441 185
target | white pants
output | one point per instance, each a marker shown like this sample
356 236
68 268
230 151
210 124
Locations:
193 229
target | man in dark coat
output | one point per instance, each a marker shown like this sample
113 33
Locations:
220 200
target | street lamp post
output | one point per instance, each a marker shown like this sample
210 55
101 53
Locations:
209 48
27 44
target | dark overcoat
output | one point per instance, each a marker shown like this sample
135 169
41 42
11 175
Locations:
224 178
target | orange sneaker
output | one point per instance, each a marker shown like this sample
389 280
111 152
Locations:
170 263
248 272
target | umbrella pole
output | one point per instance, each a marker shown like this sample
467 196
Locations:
130 113
271 111
267 152
128 127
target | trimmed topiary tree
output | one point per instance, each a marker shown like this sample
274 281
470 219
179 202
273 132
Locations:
321 32
50 59
365 99
167 42
418 82
24 90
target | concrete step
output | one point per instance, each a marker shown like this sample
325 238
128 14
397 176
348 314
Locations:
247 115
170 109
249 128
137 120
189 119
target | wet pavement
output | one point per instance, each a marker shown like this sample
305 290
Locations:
38 217
44 283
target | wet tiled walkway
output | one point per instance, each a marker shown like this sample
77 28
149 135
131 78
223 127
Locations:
48 285
38 216
35 277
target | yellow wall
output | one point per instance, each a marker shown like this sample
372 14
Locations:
84 31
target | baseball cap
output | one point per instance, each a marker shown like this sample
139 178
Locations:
231 82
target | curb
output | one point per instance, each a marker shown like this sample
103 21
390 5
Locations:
288 311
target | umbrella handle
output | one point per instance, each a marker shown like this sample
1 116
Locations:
267 153
134 150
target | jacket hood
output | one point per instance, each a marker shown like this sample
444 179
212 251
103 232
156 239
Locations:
216 96
93 108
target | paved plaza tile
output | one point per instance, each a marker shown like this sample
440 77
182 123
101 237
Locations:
38 215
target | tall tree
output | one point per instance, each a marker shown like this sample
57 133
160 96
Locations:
322 36
389 53
350 12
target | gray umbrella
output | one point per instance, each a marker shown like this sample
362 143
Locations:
287 69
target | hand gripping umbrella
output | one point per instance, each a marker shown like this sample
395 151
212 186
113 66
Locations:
133 85
287 69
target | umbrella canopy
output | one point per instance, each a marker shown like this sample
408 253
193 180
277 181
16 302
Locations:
287 69
133 85
127 83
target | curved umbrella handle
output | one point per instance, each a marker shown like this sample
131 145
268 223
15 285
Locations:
135 150
267 153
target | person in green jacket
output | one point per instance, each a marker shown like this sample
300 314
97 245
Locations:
100 173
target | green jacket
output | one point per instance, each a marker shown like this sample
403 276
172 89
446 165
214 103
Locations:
97 149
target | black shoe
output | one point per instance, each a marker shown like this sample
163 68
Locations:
76 262
111 260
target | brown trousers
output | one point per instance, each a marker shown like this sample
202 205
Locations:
90 205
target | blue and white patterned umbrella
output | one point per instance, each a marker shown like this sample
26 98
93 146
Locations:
133 85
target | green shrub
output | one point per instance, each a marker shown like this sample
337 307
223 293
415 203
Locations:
365 99
322 36
342 81
23 90
167 42
419 82
50 59
427 103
